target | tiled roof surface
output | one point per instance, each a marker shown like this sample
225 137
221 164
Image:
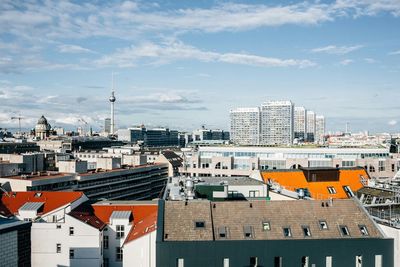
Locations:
180 218
98 216
235 216
12 201
293 179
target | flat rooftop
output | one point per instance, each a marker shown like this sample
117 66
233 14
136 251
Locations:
242 180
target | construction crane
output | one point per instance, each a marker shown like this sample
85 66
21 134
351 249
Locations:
85 125
19 118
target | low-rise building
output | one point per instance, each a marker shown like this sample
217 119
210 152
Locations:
275 233
140 182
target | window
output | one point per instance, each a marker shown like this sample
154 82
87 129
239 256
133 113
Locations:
58 226
180 262
200 224
248 231
120 231
359 261
344 231
58 248
118 254
106 262
253 261
54 218
323 225
278 262
266 226
71 231
222 232
378 260
304 261
306 230
348 191
287 232
328 261
105 242
71 253
331 190
363 230
226 262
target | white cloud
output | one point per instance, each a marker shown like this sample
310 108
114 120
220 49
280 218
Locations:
162 54
337 50
67 48
395 52
392 122
370 60
346 62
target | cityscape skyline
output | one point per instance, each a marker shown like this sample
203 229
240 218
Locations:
180 64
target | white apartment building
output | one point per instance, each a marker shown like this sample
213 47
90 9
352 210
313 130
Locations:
242 161
277 122
68 231
311 124
245 126
319 129
300 123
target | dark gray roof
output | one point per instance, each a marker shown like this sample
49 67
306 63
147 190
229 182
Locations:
243 180
173 158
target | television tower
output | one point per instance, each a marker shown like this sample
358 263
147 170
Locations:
112 101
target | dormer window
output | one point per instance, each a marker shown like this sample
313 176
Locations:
120 230
38 194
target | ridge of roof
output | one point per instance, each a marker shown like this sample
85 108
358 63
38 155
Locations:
11 202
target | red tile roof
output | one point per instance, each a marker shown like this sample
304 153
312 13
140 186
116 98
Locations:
98 216
11 202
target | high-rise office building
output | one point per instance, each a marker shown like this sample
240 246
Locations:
319 129
277 122
300 123
311 126
245 126
107 125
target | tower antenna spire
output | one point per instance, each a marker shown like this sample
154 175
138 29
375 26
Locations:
112 100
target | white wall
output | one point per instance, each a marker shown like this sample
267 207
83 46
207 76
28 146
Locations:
141 252
393 233
85 242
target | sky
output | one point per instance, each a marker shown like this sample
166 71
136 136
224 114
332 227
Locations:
184 64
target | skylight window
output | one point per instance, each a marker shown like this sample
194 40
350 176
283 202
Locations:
323 225
287 232
248 231
331 190
200 224
363 230
306 230
266 226
222 232
344 230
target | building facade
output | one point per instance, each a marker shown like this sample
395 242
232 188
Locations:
319 129
277 123
242 161
156 137
311 124
300 123
275 233
245 126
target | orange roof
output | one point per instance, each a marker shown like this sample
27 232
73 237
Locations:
12 201
98 215
293 179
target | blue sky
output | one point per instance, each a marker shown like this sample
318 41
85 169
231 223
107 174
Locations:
183 64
